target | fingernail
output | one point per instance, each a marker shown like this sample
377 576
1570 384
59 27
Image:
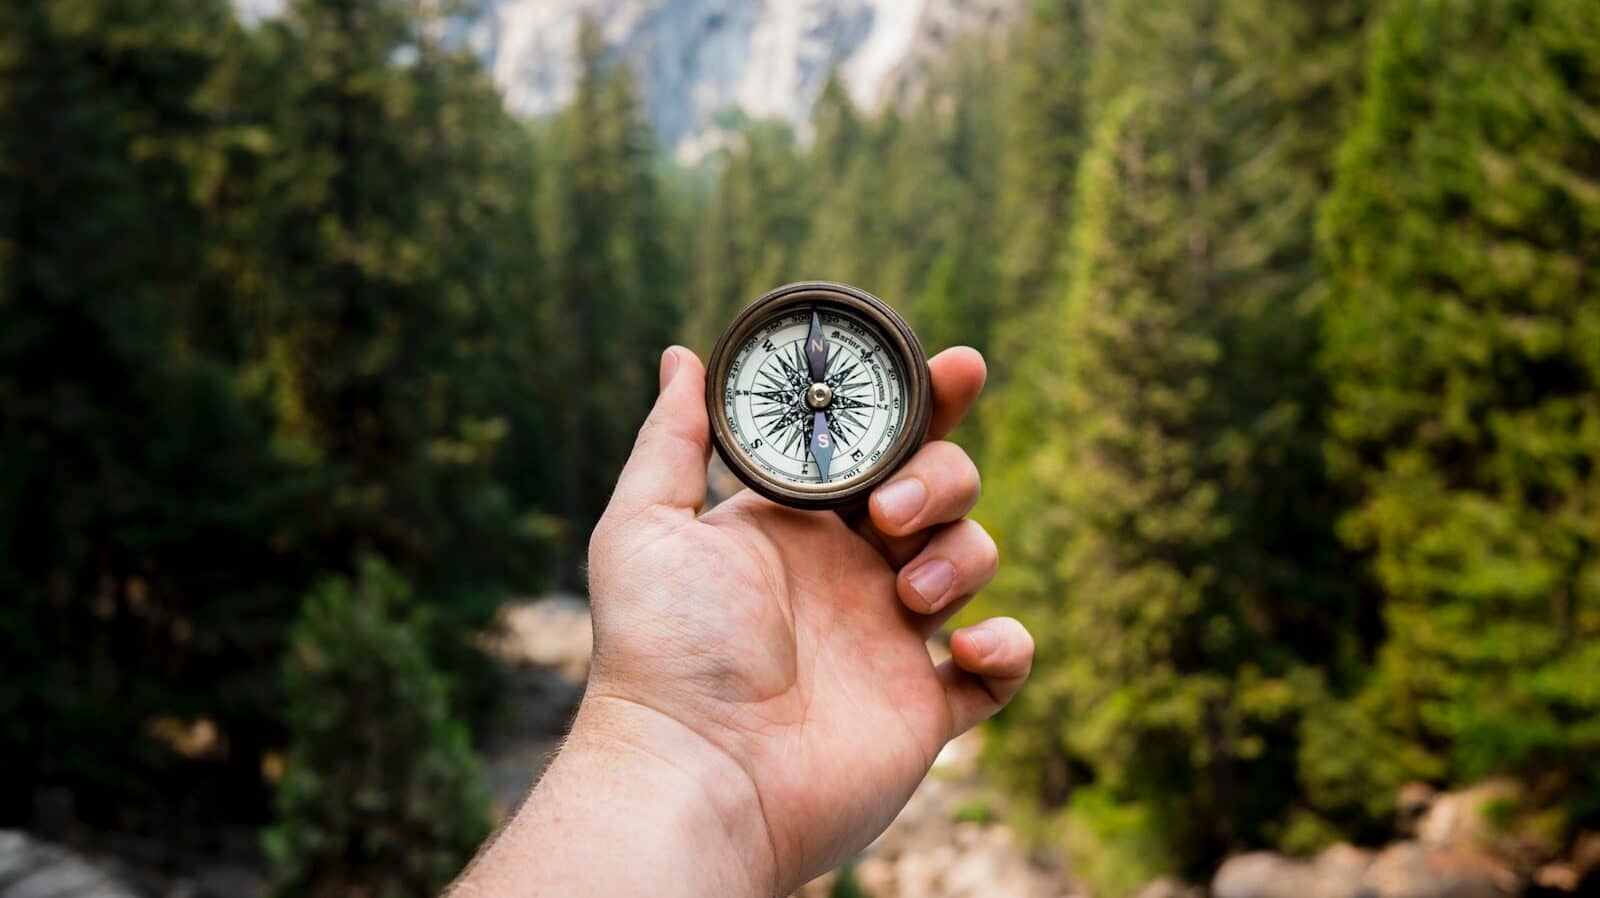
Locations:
669 367
900 501
931 579
982 640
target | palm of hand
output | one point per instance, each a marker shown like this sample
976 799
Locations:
779 639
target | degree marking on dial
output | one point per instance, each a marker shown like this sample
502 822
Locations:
767 382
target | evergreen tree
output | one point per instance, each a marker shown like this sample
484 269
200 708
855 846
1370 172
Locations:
1045 124
141 498
754 225
381 794
1178 510
849 191
941 207
1045 80
611 308
1461 341
388 239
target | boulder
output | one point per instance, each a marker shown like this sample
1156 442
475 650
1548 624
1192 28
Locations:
1415 870
1262 874
1335 873
1463 818
1411 805
33 869
1338 870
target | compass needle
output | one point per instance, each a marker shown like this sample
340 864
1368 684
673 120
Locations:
821 444
817 349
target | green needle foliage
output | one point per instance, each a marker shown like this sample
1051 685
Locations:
381 795
140 495
254 286
1176 507
1463 342
611 307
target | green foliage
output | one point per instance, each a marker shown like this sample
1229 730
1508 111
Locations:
1117 845
393 248
381 793
1175 503
1461 340
144 512
1043 97
255 286
978 809
611 307
846 885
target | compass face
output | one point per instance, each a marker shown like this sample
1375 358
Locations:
774 407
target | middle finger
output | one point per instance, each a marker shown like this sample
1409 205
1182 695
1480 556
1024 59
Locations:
938 485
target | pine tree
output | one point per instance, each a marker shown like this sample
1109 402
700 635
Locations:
141 496
381 794
1178 512
389 240
849 189
611 308
1045 123
1461 342
757 219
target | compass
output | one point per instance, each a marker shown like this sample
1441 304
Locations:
817 392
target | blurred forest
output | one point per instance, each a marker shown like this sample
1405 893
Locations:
311 355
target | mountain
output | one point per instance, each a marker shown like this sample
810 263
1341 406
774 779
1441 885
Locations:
699 59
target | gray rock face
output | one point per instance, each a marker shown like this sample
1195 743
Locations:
697 61
33 869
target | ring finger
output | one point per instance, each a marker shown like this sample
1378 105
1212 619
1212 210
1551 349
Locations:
960 560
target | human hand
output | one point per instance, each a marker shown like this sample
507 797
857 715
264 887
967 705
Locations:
768 667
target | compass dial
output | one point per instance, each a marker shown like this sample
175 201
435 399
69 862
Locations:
776 412
817 392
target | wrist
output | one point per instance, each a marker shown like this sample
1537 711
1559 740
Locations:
684 778
635 803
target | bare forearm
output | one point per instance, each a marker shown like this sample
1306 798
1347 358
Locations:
631 806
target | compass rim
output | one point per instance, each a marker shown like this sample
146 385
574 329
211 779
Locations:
897 334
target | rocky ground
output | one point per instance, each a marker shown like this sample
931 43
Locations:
1482 842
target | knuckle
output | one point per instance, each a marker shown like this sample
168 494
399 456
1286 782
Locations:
954 459
1019 633
953 473
988 551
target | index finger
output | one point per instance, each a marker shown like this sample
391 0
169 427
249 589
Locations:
957 374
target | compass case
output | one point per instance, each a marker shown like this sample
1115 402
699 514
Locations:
895 334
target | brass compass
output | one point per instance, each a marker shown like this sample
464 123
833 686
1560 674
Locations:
817 392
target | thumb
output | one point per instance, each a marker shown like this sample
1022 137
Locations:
668 465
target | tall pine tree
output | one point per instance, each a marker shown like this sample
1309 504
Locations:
142 503
389 253
1178 510
611 307
1464 236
